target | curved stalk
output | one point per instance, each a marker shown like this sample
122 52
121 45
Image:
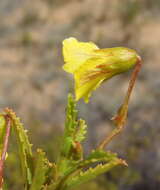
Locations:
120 119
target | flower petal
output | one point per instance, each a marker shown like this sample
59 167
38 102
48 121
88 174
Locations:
76 53
89 76
91 65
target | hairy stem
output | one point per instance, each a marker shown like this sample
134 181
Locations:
121 116
5 147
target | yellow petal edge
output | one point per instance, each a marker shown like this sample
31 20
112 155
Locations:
91 65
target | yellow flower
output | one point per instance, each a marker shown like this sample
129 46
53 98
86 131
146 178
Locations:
91 65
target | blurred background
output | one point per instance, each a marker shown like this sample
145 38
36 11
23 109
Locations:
33 83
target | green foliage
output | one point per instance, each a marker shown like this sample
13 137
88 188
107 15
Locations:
24 147
72 168
91 173
104 162
100 156
2 131
42 167
74 134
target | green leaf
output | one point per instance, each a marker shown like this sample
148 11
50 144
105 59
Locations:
74 134
41 170
24 146
95 157
92 173
98 156
75 129
52 177
81 131
70 127
2 131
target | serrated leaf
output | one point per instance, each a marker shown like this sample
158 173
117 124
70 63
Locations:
92 173
41 170
24 146
52 178
2 131
52 173
70 127
95 157
81 131
75 130
98 156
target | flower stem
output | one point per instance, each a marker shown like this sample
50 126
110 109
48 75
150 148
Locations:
5 147
121 116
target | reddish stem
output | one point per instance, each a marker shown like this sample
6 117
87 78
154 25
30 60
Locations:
5 147
121 116
132 81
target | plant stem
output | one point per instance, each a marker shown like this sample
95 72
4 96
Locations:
120 118
5 147
132 81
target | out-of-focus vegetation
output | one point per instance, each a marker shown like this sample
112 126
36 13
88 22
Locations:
33 83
